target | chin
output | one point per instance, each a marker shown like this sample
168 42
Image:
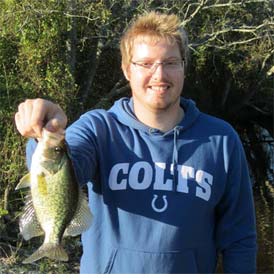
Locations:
160 105
166 104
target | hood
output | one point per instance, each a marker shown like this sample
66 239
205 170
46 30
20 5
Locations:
122 110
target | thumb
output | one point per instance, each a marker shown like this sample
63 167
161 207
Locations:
56 123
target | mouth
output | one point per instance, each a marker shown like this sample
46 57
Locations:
159 88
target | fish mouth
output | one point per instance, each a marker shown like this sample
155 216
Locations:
53 138
51 151
49 167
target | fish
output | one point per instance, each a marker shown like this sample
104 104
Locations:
56 205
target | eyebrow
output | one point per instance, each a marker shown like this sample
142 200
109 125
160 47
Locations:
165 59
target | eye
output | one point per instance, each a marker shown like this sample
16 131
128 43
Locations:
146 64
58 149
172 63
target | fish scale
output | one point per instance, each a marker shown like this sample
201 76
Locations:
56 204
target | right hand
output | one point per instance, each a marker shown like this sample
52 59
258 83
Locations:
35 114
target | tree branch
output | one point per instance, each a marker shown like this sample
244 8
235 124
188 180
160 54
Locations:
199 7
231 4
116 91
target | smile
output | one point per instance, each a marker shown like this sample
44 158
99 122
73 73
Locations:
159 88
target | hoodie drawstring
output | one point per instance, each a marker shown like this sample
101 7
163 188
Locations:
175 157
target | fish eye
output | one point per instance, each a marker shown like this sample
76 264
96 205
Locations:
57 149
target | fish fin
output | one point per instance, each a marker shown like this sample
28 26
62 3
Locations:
50 250
24 182
28 224
82 218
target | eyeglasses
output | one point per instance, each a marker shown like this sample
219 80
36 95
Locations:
173 65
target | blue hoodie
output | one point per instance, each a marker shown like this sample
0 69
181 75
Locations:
163 202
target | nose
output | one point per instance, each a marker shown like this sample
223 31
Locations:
158 69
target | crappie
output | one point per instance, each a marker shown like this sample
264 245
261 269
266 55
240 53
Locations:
56 206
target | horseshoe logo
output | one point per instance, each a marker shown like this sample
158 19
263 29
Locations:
163 208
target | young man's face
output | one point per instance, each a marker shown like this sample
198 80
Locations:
159 88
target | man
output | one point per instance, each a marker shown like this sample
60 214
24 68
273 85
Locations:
168 185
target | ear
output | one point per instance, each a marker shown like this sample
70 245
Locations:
126 71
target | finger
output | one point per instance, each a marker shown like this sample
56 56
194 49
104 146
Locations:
22 119
18 124
38 116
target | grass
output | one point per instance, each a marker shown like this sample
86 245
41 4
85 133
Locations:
12 256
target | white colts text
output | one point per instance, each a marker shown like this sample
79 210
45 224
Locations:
141 175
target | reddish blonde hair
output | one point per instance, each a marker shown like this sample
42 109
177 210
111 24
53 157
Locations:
154 26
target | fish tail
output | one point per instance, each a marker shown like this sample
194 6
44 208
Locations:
52 251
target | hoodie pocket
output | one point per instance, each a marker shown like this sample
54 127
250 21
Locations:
132 261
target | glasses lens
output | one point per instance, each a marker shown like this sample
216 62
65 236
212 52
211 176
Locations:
172 65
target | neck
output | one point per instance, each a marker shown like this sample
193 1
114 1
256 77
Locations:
163 120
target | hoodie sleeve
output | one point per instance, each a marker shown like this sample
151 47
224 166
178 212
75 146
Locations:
30 148
236 228
81 137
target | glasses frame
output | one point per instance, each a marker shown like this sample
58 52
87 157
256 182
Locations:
151 69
